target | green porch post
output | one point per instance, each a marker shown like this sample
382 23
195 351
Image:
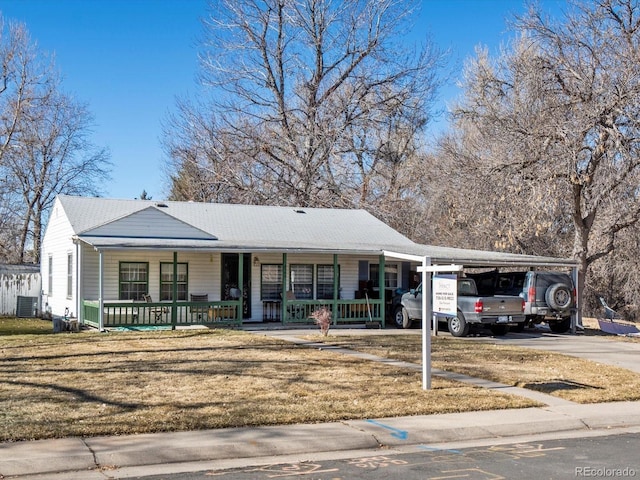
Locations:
336 289
101 290
174 294
283 304
383 296
240 286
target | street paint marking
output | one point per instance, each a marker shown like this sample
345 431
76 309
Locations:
292 469
524 450
434 449
376 462
468 473
400 434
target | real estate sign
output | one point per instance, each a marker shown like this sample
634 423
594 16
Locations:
445 295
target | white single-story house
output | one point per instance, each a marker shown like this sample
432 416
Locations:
112 262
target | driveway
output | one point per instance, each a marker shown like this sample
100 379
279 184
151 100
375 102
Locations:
601 349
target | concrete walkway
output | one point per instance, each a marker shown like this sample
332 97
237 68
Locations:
295 337
122 456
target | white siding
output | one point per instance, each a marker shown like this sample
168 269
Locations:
90 265
149 223
57 244
204 276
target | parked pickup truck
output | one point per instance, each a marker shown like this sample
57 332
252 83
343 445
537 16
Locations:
497 312
548 296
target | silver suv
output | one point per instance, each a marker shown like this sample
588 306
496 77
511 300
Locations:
550 297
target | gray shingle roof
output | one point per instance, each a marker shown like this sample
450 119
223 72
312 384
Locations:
143 223
148 224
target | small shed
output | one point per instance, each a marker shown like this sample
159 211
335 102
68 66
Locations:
20 290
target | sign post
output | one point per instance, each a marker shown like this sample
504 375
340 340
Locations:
442 291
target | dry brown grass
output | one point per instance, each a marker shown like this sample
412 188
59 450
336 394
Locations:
124 382
571 378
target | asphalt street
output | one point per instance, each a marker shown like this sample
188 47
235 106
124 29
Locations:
613 456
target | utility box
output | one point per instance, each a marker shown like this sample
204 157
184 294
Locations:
27 307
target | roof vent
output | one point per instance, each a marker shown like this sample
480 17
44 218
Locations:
299 210
162 205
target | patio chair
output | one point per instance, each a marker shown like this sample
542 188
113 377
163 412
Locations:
609 324
155 311
609 313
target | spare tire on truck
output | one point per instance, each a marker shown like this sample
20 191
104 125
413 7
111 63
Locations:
558 296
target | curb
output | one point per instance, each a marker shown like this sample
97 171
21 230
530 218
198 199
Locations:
77 454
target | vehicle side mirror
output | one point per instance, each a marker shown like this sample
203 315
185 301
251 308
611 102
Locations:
413 292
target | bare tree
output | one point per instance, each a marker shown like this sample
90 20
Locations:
560 111
51 155
313 102
478 200
24 79
44 147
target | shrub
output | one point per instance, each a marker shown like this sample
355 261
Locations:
322 317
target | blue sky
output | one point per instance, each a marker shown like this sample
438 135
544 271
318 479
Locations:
128 60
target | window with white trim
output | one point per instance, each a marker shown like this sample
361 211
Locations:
390 275
50 277
324 282
270 282
166 281
301 281
69 275
134 280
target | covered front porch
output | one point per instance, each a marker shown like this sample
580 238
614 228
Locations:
261 290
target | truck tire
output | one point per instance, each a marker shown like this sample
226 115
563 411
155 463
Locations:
560 326
499 330
458 326
401 318
558 296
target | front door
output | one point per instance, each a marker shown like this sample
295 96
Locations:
231 290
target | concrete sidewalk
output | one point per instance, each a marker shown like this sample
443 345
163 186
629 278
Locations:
102 457
107 457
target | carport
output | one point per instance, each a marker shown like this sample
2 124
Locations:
433 258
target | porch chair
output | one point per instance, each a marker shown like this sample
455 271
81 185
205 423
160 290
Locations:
156 311
199 311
